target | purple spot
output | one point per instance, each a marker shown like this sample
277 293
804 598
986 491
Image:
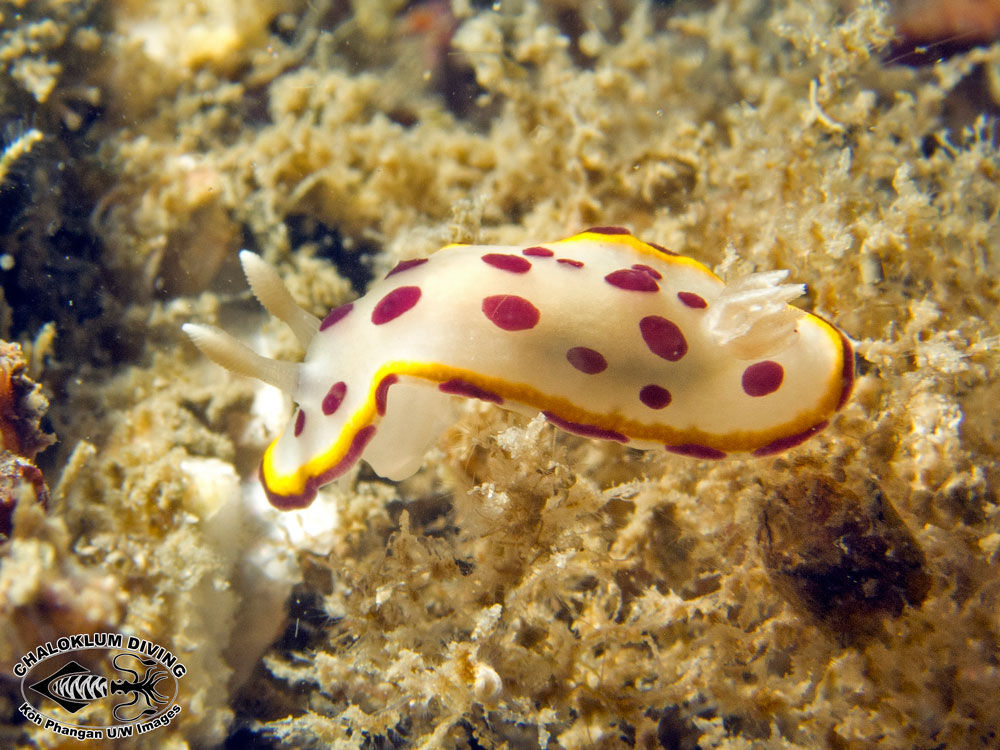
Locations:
607 230
762 378
506 262
784 443
654 396
692 300
395 303
382 393
586 360
695 451
661 249
648 270
632 280
538 252
460 387
663 338
570 262
335 315
300 423
334 397
406 265
510 312
308 494
584 430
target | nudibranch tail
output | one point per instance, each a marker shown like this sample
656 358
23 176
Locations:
227 352
272 293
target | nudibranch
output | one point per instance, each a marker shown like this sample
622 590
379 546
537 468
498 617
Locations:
606 335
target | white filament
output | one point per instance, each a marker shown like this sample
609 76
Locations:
752 317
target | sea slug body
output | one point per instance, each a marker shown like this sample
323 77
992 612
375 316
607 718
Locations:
608 336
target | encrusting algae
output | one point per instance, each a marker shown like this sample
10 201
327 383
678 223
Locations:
525 587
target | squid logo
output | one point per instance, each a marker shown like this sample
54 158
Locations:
74 686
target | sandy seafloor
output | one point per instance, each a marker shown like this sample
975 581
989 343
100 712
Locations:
526 588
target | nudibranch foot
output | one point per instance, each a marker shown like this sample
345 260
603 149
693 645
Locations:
608 336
